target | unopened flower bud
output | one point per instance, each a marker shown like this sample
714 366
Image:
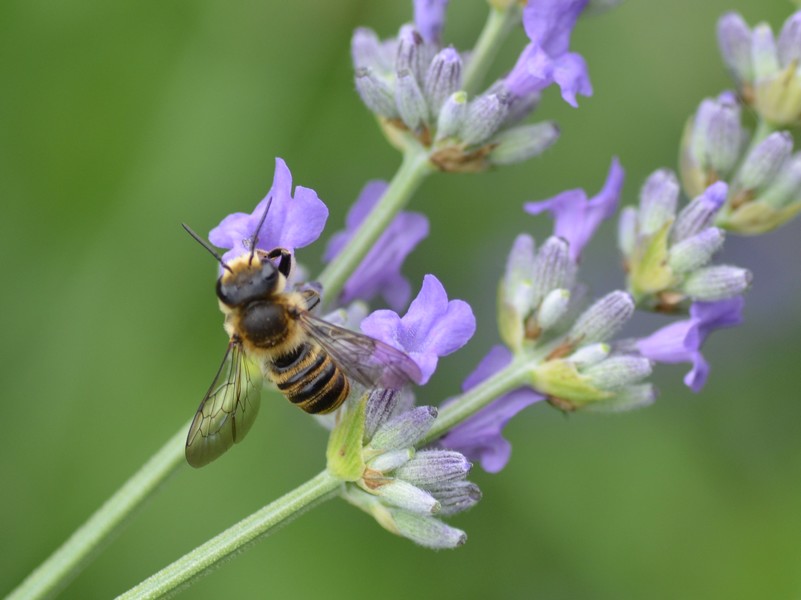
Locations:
603 319
766 160
696 251
410 101
552 270
367 51
452 116
700 213
787 186
717 283
628 398
789 44
658 199
717 135
485 115
444 77
409 55
389 461
427 531
763 52
554 306
618 371
586 356
734 38
431 466
375 93
408 497
404 430
521 143
455 496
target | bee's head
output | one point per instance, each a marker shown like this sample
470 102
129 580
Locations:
248 278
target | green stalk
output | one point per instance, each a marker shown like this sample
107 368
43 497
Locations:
84 544
496 28
258 525
407 179
516 374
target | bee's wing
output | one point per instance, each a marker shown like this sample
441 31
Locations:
368 361
228 409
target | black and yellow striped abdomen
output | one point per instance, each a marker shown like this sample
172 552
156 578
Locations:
309 378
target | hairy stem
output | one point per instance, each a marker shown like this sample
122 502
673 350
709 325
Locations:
516 374
407 179
260 524
83 545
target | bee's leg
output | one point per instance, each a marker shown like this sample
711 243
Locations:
285 263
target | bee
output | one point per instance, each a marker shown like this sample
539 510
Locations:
273 333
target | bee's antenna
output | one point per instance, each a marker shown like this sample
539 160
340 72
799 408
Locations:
255 238
203 243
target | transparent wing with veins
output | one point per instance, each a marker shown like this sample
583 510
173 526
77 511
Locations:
228 409
368 361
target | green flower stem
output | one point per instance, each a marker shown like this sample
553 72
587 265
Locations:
499 23
260 524
516 374
407 179
65 563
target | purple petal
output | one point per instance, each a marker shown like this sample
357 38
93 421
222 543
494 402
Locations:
432 327
682 341
429 18
291 222
532 72
379 271
550 23
577 218
570 73
479 437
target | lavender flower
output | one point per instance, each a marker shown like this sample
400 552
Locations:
373 449
294 221
667 255
682 341
379 272
765 69
432 327
479 437
546 60
576 217
429 18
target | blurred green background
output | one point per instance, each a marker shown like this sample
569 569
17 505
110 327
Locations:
120 120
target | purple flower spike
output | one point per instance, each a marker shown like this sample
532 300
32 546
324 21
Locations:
293 221
682 341
432 327
429 18
379 272
479 437
576 217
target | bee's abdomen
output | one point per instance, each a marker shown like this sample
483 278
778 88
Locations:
310 379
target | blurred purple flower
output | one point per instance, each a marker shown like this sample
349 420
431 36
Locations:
479 437
429 18
432 327
682 341
293 222
549 23
379 271
576 217
546 60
